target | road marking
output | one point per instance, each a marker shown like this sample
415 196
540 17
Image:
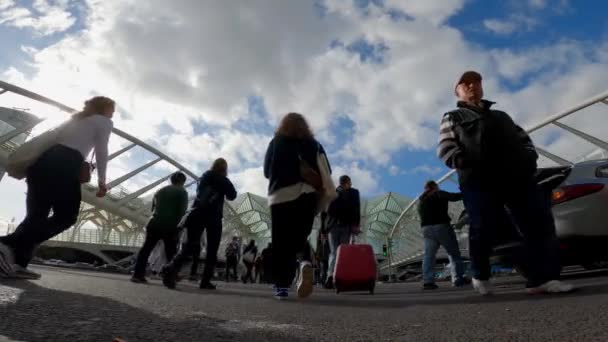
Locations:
6 339
9 295
239 326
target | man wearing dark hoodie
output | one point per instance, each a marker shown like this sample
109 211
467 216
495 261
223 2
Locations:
344 217
206 214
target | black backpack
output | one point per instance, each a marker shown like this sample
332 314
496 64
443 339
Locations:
340 209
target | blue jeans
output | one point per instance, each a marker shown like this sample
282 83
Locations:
338 235
531 212
435 236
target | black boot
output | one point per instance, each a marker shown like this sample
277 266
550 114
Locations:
169 276
206 285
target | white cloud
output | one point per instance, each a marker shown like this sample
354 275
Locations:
538 3
435 11
394 170
183 72
4 4
500 26
425 169
45 17
514 23
252 180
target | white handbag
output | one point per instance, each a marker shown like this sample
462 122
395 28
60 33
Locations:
27 154
329 193
249 257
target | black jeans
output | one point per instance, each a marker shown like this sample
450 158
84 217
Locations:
531 212
53 183
196 223
154 234
291 225
232 264
249 276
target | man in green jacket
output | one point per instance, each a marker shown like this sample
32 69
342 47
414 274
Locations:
168 207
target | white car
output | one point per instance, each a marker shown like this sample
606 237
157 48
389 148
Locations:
579 196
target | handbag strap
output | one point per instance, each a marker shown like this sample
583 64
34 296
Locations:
91 159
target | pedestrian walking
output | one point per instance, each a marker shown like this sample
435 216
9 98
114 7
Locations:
206 214
496 162
53 184
168 207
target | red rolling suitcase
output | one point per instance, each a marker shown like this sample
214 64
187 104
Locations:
355 269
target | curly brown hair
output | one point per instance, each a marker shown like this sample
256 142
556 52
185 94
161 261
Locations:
95 105
294 125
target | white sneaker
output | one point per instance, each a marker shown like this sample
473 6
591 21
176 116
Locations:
7 259
482 286
23 273
305 280
553 286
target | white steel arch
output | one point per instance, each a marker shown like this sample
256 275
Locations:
120 211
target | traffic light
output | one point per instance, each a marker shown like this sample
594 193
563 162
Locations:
384 250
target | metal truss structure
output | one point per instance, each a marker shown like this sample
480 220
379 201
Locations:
119 218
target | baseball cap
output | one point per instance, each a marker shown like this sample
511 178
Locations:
468 76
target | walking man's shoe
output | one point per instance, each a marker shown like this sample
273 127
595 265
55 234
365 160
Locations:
169 277
139 280
553 286
305 280
207 286
430 286
482 286
460 282
281 293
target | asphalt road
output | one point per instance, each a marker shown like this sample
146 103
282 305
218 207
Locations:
67 305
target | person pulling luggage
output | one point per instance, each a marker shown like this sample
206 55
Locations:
343 218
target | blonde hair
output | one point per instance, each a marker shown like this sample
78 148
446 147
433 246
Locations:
294 125
95 105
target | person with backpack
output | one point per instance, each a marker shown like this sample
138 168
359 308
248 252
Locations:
496 163
206 214
232 258
250 252
343 219
294 164
54 185
437 231
168 207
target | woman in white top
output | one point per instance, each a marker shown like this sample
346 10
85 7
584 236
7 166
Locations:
53 183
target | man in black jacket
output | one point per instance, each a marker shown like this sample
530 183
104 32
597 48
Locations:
206 214
437 231
496 163
343 218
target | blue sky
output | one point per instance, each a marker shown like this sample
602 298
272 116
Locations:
373 77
